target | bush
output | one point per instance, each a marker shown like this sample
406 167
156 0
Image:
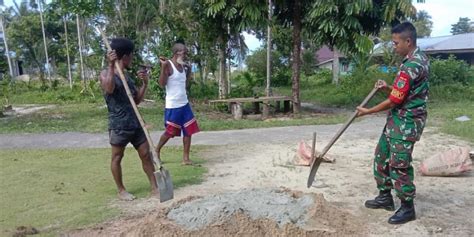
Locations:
452 92
204 91
321 77
246 84
447 71
356 86
282 77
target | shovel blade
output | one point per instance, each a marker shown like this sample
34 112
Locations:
165 185
314 168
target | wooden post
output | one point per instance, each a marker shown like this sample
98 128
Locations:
237 111
277 106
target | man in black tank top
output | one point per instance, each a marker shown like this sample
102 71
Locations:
124 126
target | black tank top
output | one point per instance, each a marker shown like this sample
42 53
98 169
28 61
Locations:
121 114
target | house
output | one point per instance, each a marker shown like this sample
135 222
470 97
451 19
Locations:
461 46
325 57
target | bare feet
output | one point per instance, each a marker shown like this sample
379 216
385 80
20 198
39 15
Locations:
155 194
187 162
125 196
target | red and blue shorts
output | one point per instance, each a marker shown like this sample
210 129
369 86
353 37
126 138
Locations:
179 120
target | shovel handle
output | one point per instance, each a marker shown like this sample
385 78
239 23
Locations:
132 102
317 161
346 125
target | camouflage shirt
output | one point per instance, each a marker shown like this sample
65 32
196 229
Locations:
410 92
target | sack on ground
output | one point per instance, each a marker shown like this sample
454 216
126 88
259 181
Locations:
452 162
303 155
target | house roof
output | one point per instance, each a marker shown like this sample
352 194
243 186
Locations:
462 43
448 44
325 53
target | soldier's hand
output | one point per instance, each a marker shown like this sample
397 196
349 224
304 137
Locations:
380 84
111 57
361 111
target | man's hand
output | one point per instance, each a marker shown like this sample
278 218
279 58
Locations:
111 57
143 75
381 84
361 111
163 60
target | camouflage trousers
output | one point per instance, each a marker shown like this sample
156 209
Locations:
392 167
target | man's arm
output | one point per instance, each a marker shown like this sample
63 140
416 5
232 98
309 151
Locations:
107 76
188 76
384 105
164 74
143 75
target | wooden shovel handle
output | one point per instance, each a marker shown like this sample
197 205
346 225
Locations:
346 125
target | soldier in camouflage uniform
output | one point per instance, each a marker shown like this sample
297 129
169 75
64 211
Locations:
405 122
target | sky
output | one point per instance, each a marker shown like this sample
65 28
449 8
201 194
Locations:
443 13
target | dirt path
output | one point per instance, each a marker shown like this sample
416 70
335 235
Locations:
264 160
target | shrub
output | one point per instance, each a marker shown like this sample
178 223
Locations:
447 71
204 91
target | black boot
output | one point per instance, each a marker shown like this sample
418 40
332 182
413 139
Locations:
404 214
383 200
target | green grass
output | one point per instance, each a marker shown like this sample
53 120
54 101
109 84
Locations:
443 114
93 118
446 102
56 190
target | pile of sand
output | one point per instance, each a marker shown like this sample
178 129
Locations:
251 212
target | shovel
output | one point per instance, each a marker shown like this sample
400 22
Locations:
317 160
162 176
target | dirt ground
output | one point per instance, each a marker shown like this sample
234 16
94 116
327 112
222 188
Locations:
444 205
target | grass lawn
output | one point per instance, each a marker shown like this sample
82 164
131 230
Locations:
92 117
56 190
443 114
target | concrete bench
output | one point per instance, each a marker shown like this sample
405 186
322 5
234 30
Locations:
236 104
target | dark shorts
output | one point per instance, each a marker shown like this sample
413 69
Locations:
120 137
180 120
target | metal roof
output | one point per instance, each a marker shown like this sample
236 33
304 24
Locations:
448 44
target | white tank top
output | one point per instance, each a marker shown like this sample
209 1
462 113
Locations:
176 89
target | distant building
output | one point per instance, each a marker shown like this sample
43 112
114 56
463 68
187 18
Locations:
325 56
461 46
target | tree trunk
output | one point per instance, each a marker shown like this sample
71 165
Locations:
228 77
222 67
269 49
80 52
48 69
201 72
67 53
335 66
296 62
6 48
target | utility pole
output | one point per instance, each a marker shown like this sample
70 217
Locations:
269 48
266 105
6 47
